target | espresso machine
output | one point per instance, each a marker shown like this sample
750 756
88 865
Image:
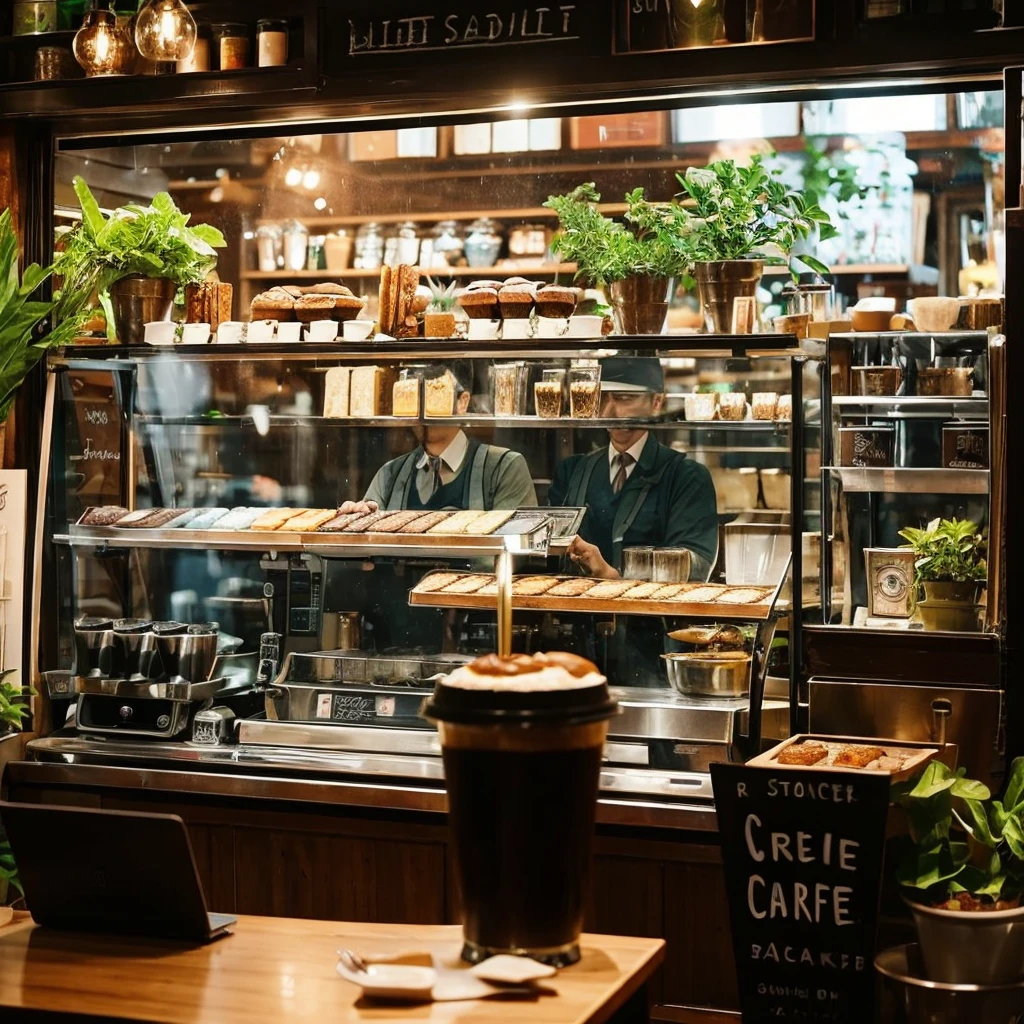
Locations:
135 677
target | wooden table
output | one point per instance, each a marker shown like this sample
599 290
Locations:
280 970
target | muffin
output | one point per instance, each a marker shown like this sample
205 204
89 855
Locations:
275 304
555 301
347 307
292 289
328 288
516 300
315 307
480 303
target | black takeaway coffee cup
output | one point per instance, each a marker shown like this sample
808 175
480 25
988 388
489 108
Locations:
522 738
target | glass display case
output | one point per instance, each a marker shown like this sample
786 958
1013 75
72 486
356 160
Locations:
215 591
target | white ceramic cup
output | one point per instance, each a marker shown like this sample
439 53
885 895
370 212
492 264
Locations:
552 327
160 332
934 312
230 332
517 329
323 331
586 327
356 330
483 330
289 331
262 331
195 334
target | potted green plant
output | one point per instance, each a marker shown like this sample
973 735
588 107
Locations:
13 708
950 570
637 260
742 218
20 318
139 256
439 317
963 874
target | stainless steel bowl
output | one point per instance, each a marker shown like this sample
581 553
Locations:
709 674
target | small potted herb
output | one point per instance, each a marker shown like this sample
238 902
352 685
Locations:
137 259
950 570
439 317
743 218
637 260
963 874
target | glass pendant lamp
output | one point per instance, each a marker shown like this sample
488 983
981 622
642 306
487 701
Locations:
101 46
165 31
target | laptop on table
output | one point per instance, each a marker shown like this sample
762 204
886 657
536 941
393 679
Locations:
115 872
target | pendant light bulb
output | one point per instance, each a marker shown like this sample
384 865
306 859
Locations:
165 31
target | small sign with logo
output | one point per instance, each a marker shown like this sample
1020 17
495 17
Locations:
803 868
93 439
890 573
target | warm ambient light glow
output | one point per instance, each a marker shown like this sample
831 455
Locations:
100 46
165 31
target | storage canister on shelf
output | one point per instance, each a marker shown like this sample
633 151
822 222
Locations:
965 445
199 59
867 446
338 249
53 63
890 579
272 42
232 40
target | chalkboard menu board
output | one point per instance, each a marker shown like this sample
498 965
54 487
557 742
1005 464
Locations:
803 865
94 441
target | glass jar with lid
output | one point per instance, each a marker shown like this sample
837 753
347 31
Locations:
269 248
295 237
448 247
232 45
528 240
338 249
407 244
369 247
271 42
483 243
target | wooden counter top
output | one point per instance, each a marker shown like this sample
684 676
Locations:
277 970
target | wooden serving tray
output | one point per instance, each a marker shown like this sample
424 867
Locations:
917 754
615 606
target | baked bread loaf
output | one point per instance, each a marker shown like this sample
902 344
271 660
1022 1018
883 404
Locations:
347 307
370 391
103 515
480 303
405 397
555 301
337 382
439 395
516 300
314 307
275 304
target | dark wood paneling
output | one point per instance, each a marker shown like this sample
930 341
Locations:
214 849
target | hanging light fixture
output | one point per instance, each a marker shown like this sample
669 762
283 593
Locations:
101 46
165 31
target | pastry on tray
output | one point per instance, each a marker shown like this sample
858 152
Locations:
437 581
532 586
157 518
240 518
488 522
806 753
366 523
339 522
206 518
488 589
275 518
309 521
698 595
609 590
397 521
103 515
467 584
134 518
457 522
425 522
183 518
857 756
743 595
667 591
572 588
643 591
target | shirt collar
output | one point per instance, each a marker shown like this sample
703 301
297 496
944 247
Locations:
635 450
452 456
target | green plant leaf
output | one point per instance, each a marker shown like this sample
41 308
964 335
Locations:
93 220
934 779
1013 834
971 789
1015 785
979 826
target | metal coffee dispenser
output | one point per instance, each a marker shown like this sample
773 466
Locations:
140 678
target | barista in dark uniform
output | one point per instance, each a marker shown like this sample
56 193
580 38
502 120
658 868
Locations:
638 493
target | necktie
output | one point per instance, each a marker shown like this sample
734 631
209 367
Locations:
434 465
625 461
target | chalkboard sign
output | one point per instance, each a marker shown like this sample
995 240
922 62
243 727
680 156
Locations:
803 866
93 439
418 26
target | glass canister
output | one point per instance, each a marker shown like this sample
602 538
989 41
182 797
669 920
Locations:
510 381
528 240
199 59
269 248
316 258
448 247
483 243
232 39
53 63
295 240
369 247
407 244
338 249
817 300
271 42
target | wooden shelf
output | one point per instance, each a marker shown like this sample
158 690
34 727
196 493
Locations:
505 213
322 275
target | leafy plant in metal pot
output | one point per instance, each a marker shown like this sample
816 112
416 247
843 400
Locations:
950 568
136 259
439 317
963 872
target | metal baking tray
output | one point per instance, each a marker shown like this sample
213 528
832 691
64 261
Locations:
617 606
918 754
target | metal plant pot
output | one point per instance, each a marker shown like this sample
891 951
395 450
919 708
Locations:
719 284
906 996
950 607
138 301
965 948
709 673
641 304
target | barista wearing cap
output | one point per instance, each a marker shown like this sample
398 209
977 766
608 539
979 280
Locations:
450 470
638 492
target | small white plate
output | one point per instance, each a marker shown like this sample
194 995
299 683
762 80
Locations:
504 969
393 981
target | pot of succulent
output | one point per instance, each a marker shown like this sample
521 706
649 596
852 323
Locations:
637 260
439 317
963 874
136 259
23 339
742 218
950 570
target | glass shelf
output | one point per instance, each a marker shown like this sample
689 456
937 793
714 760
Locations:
896 480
